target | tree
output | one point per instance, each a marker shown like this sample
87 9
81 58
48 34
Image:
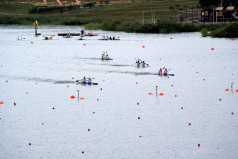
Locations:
106 2
207 3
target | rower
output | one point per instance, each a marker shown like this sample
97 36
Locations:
46 38
107 56
89 80
143 64
160 71
103 56
165 71
84 80
138 63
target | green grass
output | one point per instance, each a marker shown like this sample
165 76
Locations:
21 8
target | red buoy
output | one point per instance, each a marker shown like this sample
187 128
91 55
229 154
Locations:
118 37
14 103
175 95
232 39
203 79
88 129
101 89
32 42
138 117
198 145
82 151
136 83
93 112
189 123
42 123
232 113
97 99
149 93
6 80
171 38
72 97
82 98
172 85
161 94
219 99
237 90
1 102
226 89
140 136
137 103
143 46
30 144
181 107
84 44
72 77
212 48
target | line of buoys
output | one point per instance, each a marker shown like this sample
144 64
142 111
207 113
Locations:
226 89
149 93
72 97
161 94
82 98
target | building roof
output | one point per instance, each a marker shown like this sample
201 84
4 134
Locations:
219 8
230 8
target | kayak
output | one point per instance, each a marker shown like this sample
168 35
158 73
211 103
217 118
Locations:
67 36
165 74
106 59
81 82
91 35
108 39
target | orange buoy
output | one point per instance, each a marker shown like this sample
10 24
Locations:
72 97
212 48
82 98
1 102
161 94
226 89
149 93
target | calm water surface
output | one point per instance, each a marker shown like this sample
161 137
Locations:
40 76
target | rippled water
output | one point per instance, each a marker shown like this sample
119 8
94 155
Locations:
39 77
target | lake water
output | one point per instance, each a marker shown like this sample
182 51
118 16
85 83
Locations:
40 76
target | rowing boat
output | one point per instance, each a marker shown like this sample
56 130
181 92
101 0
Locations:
106 59
108 39
83 83
165 74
